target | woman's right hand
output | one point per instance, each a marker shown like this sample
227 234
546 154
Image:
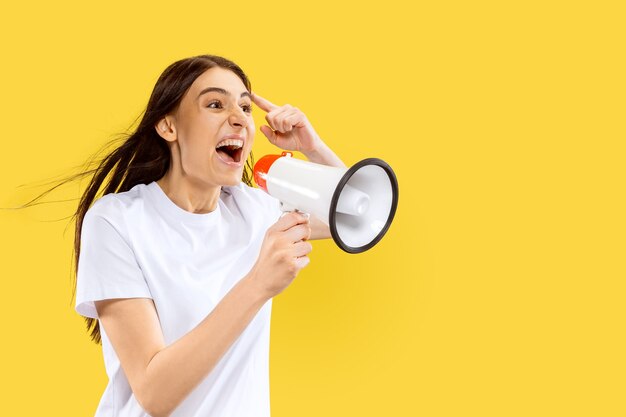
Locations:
283 254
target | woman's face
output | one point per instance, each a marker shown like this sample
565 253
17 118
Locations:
216 108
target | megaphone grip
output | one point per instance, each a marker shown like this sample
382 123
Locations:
286 208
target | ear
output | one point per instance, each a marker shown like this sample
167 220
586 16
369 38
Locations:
166 129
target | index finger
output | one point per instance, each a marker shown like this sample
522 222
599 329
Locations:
264 104
290 220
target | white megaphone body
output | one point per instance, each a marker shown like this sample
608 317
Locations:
358 203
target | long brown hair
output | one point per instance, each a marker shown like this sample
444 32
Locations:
143 156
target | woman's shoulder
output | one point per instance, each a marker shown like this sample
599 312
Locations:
243 190
115 206
244 194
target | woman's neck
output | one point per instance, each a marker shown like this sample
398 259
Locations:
188 195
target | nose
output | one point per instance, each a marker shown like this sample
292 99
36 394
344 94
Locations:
237 118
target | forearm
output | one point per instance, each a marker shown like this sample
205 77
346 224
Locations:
325 156
176 370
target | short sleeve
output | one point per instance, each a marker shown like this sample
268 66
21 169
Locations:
107 267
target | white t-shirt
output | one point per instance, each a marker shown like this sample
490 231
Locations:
139 244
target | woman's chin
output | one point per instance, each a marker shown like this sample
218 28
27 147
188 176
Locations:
230 180
232 183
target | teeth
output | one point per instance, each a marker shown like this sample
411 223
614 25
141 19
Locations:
230 142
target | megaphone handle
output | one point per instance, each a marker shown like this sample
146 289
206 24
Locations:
287 208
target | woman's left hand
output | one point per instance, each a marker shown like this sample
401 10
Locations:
289 129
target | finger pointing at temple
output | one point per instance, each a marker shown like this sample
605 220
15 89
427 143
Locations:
263 104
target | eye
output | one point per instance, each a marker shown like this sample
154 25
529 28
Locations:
247 108
217 104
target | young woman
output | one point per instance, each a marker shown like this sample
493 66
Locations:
178 261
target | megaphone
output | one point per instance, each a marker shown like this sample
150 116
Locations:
358 203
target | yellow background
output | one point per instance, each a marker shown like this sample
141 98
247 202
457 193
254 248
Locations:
499 289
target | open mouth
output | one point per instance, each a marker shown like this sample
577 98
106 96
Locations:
230 150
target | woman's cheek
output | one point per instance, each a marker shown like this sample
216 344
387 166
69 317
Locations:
197 154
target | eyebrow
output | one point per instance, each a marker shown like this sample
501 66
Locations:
222 91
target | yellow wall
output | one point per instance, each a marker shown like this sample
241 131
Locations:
499 289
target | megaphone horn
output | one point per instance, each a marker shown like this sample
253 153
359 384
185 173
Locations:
357 203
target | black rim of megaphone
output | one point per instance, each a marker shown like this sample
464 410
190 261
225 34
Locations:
333 204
